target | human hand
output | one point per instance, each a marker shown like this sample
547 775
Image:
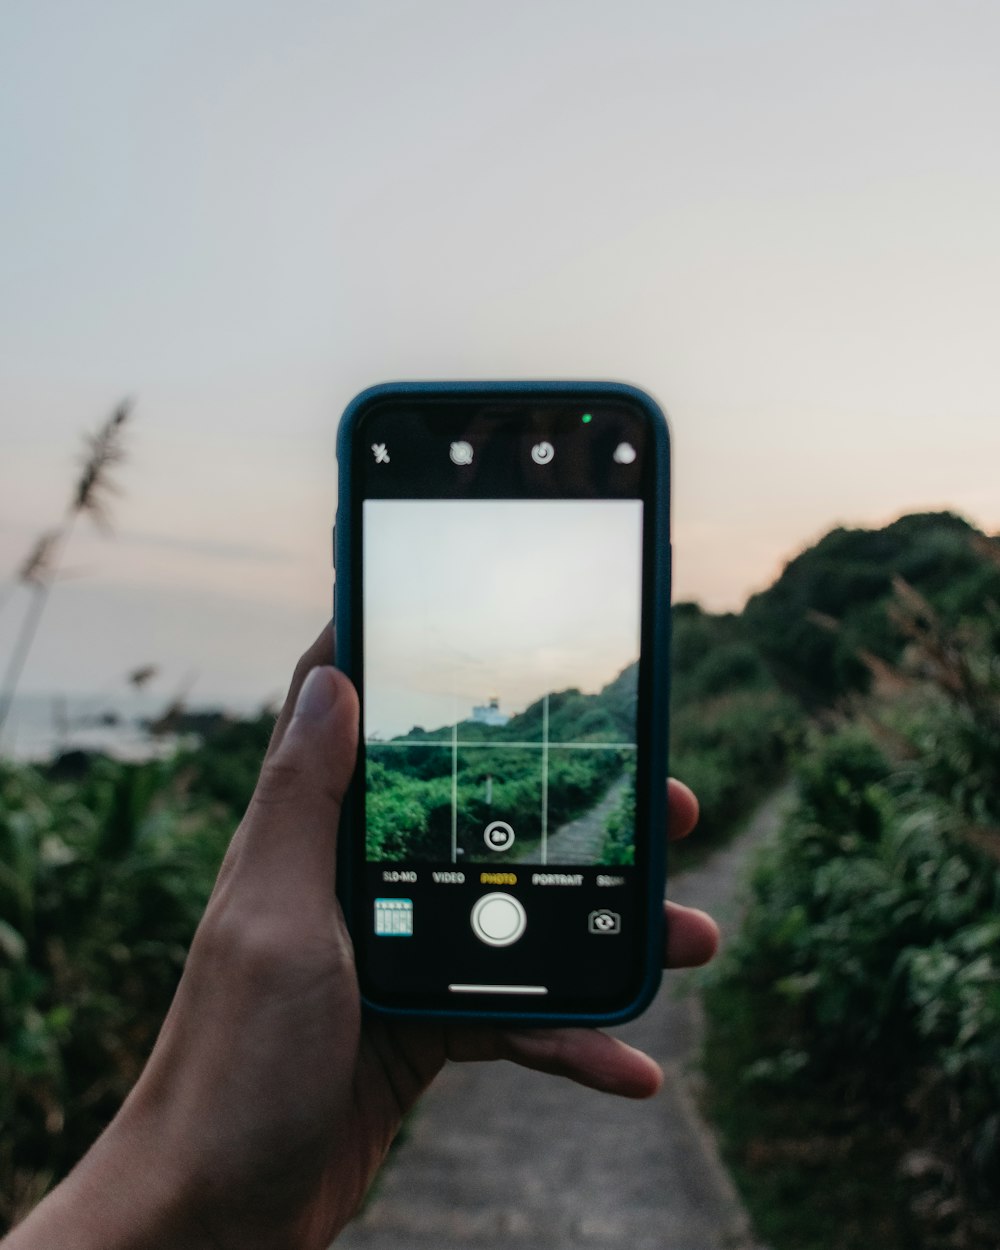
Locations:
270 1099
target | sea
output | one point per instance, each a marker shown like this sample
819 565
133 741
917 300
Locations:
43 726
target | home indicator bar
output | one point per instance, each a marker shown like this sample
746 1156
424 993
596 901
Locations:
499 989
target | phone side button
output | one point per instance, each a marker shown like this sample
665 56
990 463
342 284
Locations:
333 544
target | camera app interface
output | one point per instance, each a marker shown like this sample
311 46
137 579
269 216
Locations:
500 709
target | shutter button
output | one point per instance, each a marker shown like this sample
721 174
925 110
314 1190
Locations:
498 919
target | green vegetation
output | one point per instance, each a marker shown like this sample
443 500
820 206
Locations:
733 729
103 878
619 837
854 1040
102 882
409 805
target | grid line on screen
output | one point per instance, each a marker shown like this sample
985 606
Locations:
545 780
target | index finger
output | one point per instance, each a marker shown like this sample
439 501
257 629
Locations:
682 810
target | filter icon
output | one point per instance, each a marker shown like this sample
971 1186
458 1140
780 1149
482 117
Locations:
624 453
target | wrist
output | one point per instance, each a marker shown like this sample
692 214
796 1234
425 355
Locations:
118 1197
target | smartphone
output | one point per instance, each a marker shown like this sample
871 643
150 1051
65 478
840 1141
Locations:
502 605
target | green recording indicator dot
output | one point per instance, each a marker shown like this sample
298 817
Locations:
587 418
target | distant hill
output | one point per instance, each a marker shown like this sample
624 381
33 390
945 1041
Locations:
831 601
607 716
744 683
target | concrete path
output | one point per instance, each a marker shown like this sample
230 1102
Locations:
579 841
502 1157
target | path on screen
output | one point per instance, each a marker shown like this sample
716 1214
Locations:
580 841
502 1157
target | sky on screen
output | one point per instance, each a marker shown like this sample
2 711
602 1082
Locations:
469 600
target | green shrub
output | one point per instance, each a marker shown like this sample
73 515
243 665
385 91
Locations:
102 883
868 967
731 751
619 843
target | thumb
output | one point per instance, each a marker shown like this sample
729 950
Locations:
295 811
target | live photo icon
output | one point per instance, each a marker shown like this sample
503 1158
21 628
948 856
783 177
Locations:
394 917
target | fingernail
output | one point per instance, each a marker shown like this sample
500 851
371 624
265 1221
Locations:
318 694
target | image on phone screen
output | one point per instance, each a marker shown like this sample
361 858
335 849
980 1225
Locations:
500 685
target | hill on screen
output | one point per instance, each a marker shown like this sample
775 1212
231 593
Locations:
608 716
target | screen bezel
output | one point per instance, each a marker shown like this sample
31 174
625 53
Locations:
553 402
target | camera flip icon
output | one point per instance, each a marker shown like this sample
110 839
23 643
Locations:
498 835
604 921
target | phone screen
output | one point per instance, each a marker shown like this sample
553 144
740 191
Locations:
500 831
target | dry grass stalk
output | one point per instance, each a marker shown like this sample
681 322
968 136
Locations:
983 839
38 566
39 570
170 718
824 620
887 679
142 676
104 452
988 548
935 654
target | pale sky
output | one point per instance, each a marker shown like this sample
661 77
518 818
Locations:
779 218
473 598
